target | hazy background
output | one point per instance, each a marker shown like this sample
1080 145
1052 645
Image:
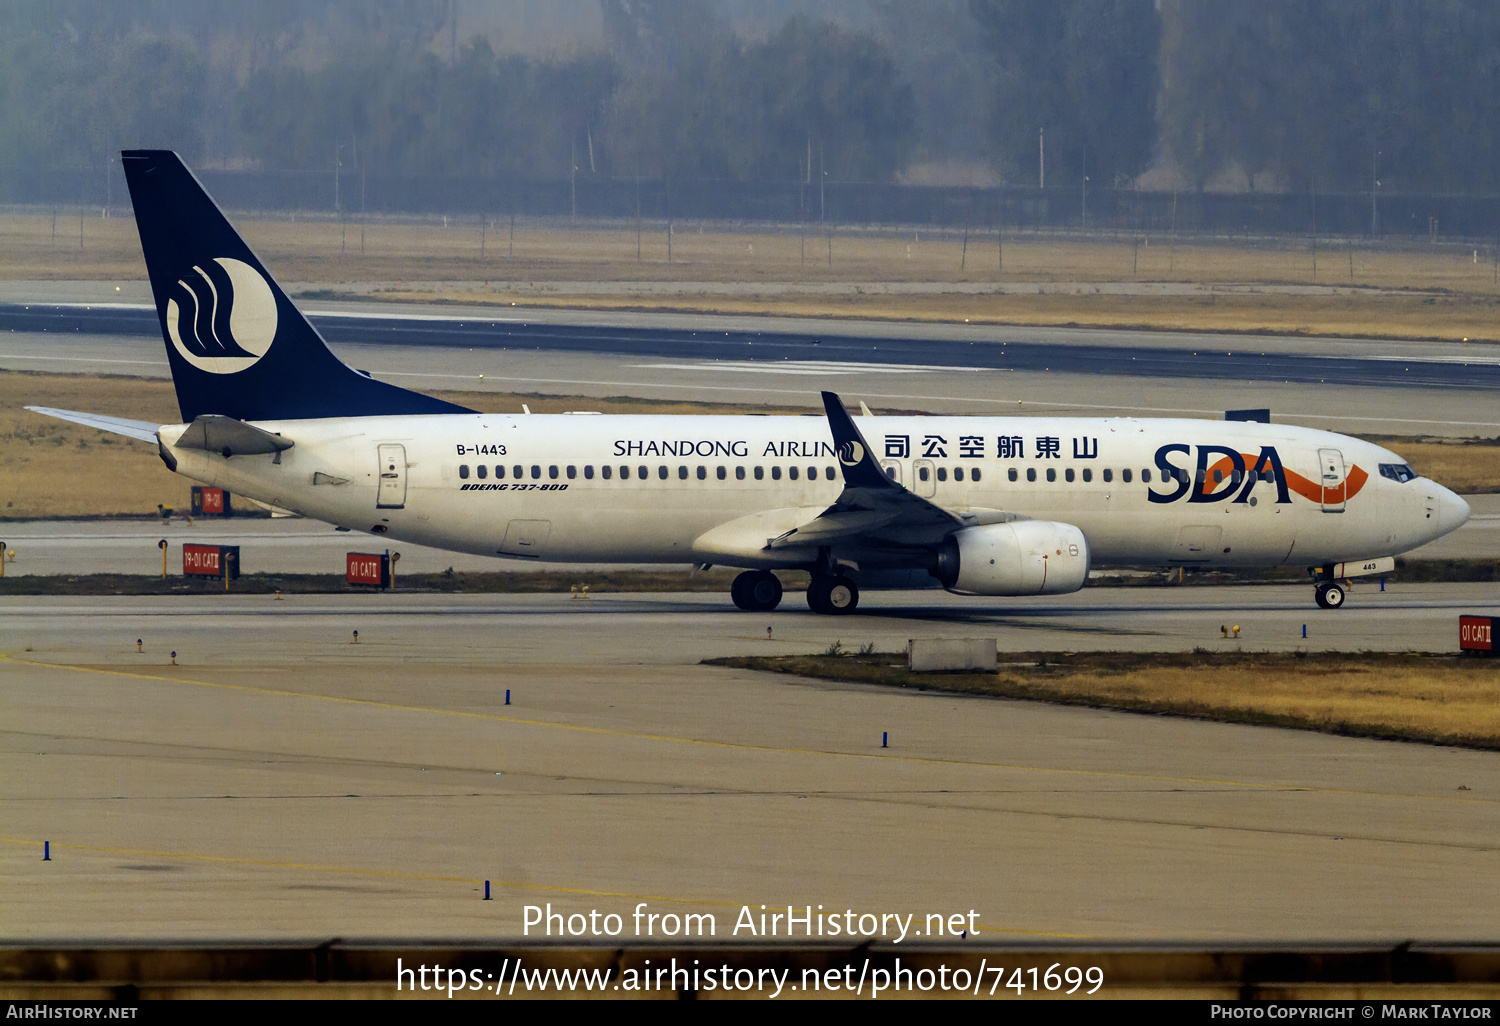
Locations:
1271 97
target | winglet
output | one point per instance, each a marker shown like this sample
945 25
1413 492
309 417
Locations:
856 459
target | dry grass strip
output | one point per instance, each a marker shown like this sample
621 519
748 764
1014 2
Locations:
1436 699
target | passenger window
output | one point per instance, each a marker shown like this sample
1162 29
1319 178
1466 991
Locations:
975 476
573 473
922 473
759 474
662 472
605 471
791 472
720 474
480 471
942 473
775 473
890 472
499 471
463 471
958 473
1218 477
1124 475
1088 475
1109 475
830 473
812 473
739 473
518 471
1146 476
702 473
1010 475
1068 475
1051 474
552 472
536 472
1031 473
682 473
588 472
644 473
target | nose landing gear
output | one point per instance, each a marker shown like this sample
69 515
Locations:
1329 594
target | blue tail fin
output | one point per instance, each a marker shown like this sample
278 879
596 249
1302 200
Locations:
236 344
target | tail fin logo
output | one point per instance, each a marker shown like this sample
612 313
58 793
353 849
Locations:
222 316
851 453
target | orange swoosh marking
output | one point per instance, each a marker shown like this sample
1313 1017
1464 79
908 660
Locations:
1312 491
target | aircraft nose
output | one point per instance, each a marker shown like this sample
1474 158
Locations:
1453 511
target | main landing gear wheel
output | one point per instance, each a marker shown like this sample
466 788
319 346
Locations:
1329 595
832 596
756 591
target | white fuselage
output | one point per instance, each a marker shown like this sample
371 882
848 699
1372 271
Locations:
1295 496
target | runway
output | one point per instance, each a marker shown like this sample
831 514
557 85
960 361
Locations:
925 387
680 337
280 781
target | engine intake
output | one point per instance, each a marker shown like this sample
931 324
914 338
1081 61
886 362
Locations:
1026 557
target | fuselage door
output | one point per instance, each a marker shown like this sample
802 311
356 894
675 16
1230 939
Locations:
892 470
1197 544
391 493
1331 471
525 538
924 478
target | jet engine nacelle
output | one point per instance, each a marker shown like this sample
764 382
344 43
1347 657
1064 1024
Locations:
1025 557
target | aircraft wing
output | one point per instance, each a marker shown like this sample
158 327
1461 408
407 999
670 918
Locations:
139 429
871 504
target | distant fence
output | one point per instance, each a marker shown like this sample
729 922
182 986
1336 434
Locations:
1068 207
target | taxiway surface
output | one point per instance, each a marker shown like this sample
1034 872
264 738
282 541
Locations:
281 781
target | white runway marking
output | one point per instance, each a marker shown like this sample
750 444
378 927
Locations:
806 367
82 359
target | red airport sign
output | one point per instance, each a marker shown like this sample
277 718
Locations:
371 568
211 502
1476 633
211 560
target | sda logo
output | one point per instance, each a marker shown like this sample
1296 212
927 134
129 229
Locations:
227 318
1223 474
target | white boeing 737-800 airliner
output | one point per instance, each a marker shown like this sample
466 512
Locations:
980 505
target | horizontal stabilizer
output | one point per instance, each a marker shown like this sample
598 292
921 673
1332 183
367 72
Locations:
230 437
139 429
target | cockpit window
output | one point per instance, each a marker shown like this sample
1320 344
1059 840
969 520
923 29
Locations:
1398 472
